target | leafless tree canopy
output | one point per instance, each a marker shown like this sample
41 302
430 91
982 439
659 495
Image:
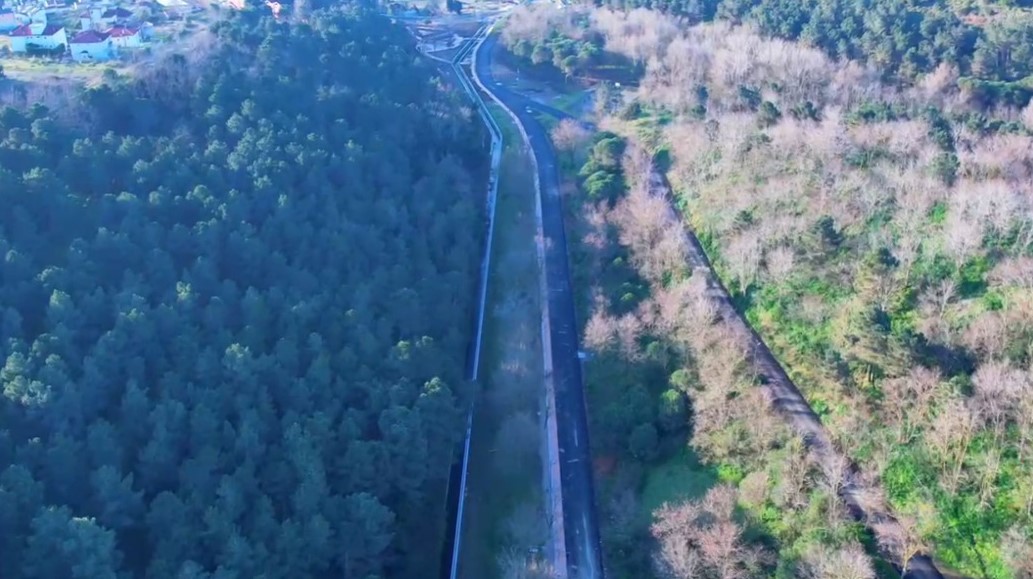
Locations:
848 562
702 539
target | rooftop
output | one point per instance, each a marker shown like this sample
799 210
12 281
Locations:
118 12
122 31
89 37
37 30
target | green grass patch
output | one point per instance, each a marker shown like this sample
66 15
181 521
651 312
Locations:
676 479
573 103
510 133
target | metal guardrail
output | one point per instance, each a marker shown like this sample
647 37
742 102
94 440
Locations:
493 185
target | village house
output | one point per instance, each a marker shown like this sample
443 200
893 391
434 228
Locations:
92 46
87 18
125 37
102 19
38 37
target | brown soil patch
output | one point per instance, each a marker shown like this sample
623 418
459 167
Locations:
605 465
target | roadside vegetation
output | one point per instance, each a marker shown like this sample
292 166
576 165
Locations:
876 228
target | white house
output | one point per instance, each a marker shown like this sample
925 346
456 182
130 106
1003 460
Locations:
91 46
99 18
38 37
39 16
125 37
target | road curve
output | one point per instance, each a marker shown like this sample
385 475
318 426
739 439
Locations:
581 529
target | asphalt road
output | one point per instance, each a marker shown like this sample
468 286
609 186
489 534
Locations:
584 560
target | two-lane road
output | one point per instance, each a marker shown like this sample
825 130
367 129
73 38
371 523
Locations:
584 559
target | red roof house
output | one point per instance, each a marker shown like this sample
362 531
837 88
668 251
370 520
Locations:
38 37
125 36
90 37
91 46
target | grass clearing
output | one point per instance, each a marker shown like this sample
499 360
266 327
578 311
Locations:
678 478
505 503
572 102
31 69
547 121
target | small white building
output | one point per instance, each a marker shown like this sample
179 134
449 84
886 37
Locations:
38 37
88 17
91 46
39 16
125 37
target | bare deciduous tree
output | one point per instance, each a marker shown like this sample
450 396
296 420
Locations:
933 306
779 264
1014 272
846 562
1026 116
986 335
795 477
569 136
836 471
989 468
535 22
1017 549
906 537
600 331
1024 417
949 437
753 489
647 224
938 86
997 390
743 255
701 538
907 401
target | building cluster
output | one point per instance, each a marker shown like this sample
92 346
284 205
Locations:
99 31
